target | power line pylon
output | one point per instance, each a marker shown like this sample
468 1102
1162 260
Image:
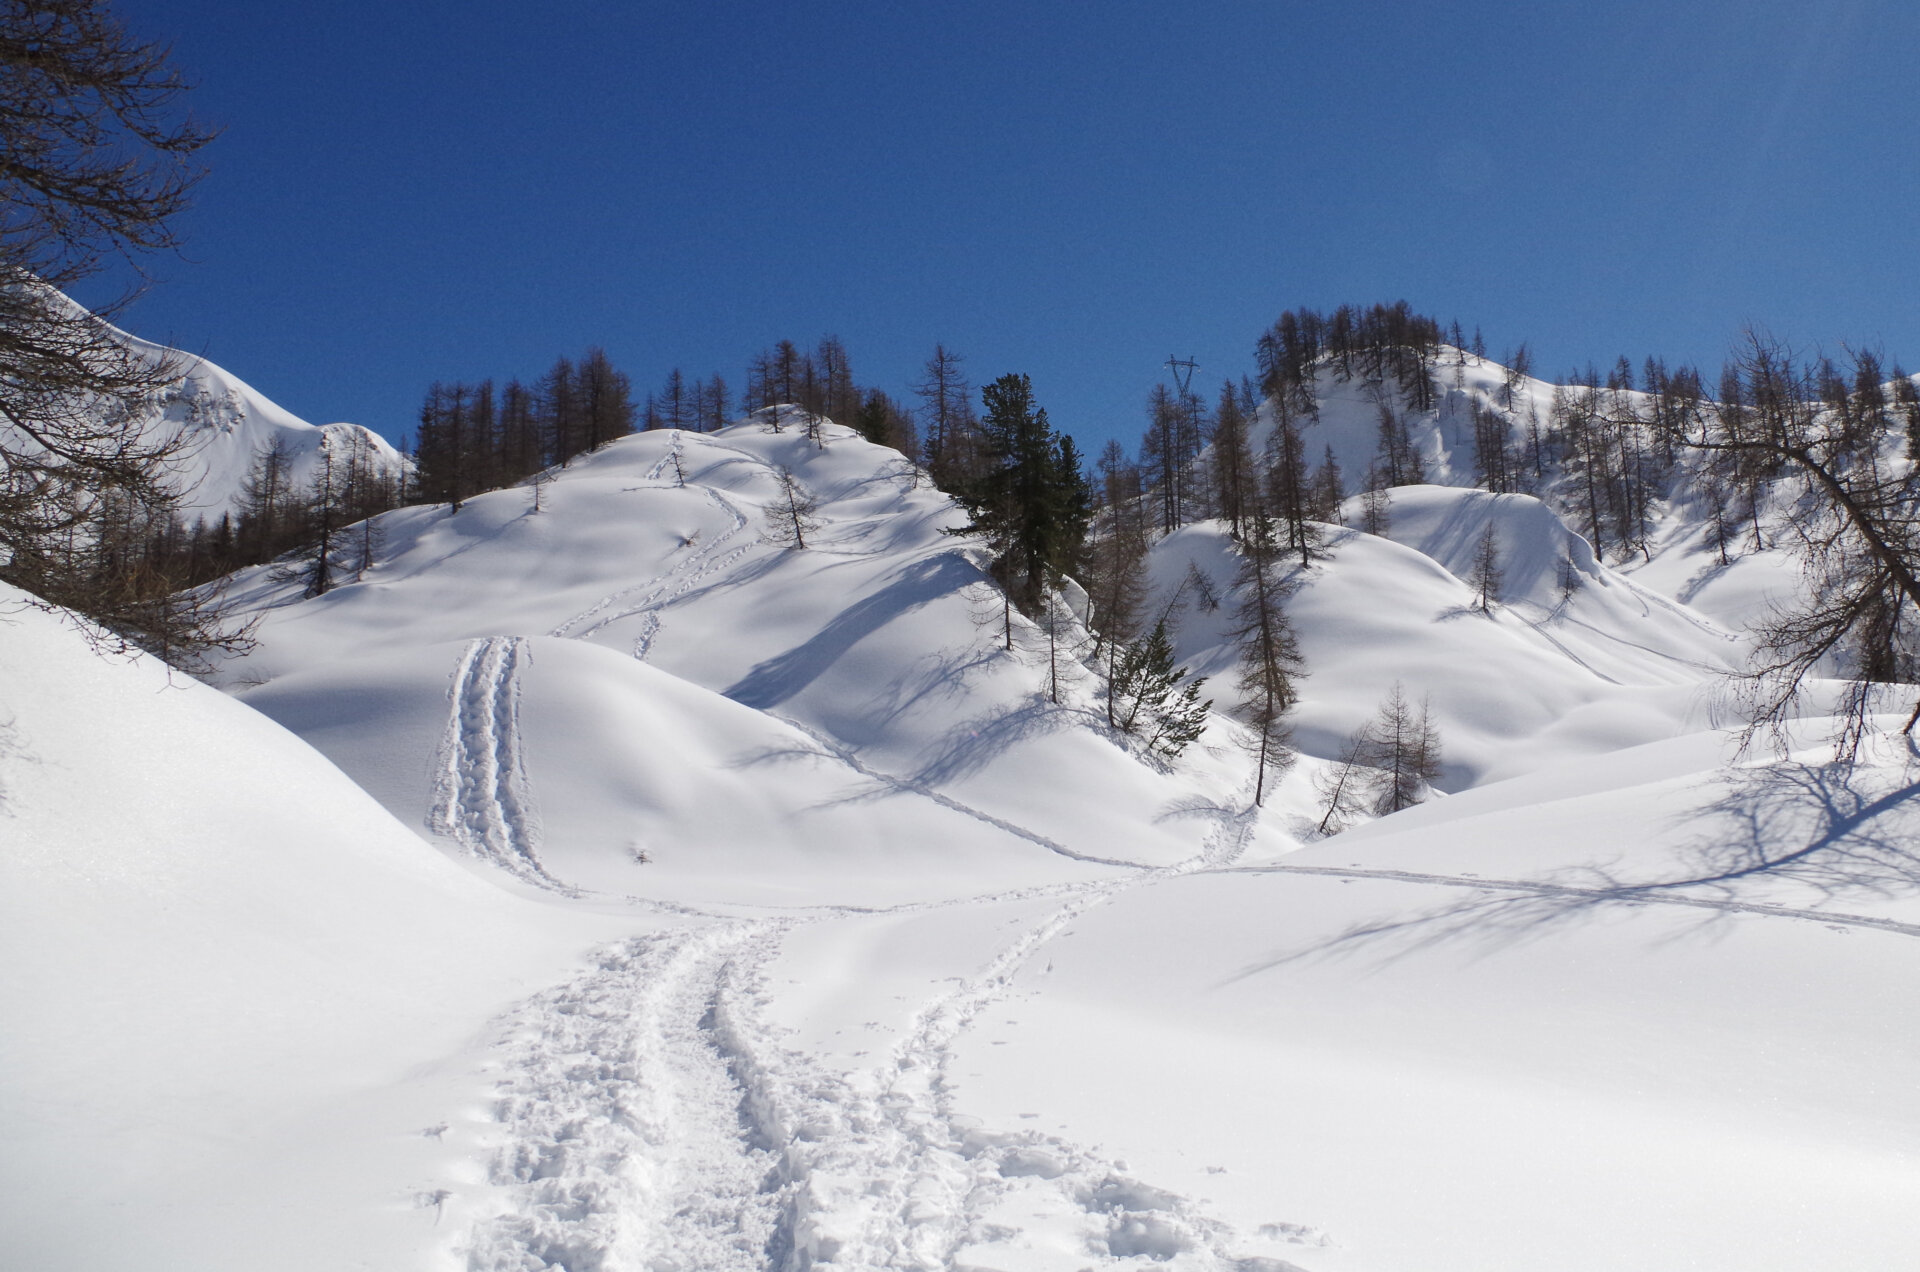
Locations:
1183 369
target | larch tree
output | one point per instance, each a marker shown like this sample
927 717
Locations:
1344 786
950 440
1289 492
790 514
605 396
1404 749
1115 565
1485 578
1270 660
1235 478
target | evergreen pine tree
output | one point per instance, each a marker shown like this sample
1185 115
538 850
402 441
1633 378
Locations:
1151 698
1033 503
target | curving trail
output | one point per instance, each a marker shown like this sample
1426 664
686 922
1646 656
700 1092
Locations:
652 1119
882 1171
651 596
649 1117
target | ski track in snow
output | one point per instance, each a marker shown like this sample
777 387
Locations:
1626 894
649 597
481 797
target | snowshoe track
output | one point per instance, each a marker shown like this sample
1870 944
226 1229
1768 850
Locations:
880 1170
481 797
627 1140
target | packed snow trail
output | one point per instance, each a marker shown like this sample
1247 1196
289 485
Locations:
653 1120
626 1141
884 1173
481 797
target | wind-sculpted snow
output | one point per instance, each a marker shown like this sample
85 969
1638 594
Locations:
1572 658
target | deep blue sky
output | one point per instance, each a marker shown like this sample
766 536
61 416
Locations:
418 190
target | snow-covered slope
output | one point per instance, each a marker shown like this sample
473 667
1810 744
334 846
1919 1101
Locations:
906 965
1543 676
688 708
234 983
220 425
226 424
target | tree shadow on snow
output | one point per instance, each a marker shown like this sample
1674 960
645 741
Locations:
783 676
1783 840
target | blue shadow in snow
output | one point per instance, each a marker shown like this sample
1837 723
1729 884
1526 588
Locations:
779 678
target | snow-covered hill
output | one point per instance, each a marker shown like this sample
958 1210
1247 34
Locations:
227 424
886 959
232 976
698 710
223 425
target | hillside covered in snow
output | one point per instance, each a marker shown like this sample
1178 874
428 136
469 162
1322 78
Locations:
599 879
223 427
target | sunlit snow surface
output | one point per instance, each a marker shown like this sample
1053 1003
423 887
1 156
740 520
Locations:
879 958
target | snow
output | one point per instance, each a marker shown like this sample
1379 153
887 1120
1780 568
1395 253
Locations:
612 886
231 974
222 424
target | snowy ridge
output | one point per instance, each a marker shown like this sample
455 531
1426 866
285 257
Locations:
225 424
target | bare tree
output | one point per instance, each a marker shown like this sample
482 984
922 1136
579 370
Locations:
1405 750
1851 522
790 516
1234 475
952 443
95 168
1376 510
1486 576
1344 788
1269 656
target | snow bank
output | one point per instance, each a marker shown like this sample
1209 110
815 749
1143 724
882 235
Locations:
230 971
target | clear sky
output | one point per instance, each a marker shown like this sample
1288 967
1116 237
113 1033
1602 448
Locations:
418 189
